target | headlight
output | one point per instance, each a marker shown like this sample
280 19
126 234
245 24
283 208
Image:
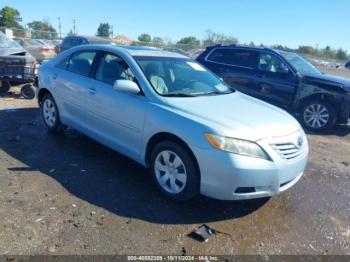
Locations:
237 146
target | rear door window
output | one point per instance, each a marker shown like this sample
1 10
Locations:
80 63
234 57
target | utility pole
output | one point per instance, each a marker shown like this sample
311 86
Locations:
74 29
59 27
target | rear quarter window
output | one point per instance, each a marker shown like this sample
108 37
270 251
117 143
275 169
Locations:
241 58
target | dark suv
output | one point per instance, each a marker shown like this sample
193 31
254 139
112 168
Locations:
71 41
284 79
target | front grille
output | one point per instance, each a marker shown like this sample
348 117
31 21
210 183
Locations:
288 150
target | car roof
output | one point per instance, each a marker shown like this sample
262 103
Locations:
136 50
236 46
90 38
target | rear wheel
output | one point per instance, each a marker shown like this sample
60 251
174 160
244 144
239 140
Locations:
318 115
174 171
50 114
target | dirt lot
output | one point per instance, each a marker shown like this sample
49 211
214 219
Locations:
66 194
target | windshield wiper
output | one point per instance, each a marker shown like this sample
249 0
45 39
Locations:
178 95
218 93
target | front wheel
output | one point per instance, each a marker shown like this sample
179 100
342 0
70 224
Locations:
318 115
174 171
50 114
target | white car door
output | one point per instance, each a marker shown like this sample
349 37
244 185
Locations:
117 118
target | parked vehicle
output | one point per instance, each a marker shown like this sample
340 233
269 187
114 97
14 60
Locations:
175 50
47 42
72 41
194 53
168 113
284 79
37 48
347 65
17 66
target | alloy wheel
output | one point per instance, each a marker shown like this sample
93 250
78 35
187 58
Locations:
316 115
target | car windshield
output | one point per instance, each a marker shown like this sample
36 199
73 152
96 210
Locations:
181 77
7 43
300 64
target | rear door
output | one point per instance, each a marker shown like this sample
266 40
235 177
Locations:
276 81
71 81
236 66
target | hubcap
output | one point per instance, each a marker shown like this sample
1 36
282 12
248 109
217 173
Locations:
316 115
49 112
170 172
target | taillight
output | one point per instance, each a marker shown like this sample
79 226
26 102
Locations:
45 49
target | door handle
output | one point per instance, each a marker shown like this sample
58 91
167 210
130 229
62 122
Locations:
92 90
54 77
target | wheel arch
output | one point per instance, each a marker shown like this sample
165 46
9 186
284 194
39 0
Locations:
320 96
42 92
165 136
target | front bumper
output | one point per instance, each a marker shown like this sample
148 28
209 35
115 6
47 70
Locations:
227 176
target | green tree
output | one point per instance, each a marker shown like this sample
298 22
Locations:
306 50
42 29
104 30
11 18
158 40
341 54
145 38
189 40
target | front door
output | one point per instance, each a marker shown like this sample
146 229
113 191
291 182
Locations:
117 118
275 80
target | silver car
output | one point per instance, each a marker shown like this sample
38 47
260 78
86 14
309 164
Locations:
170 114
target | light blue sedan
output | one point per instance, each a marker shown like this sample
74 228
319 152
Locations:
170 114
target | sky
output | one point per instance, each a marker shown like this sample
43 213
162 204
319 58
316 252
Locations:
317 23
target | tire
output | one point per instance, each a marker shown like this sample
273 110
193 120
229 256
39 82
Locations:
28 91
50 114
178 177
4 87
318 115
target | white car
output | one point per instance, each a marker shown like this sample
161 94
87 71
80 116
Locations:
167 112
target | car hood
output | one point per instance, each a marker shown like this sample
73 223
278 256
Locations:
329 81
11 51
237 115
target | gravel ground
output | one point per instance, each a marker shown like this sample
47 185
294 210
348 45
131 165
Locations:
66 194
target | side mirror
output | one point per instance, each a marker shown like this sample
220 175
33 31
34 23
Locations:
126 86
